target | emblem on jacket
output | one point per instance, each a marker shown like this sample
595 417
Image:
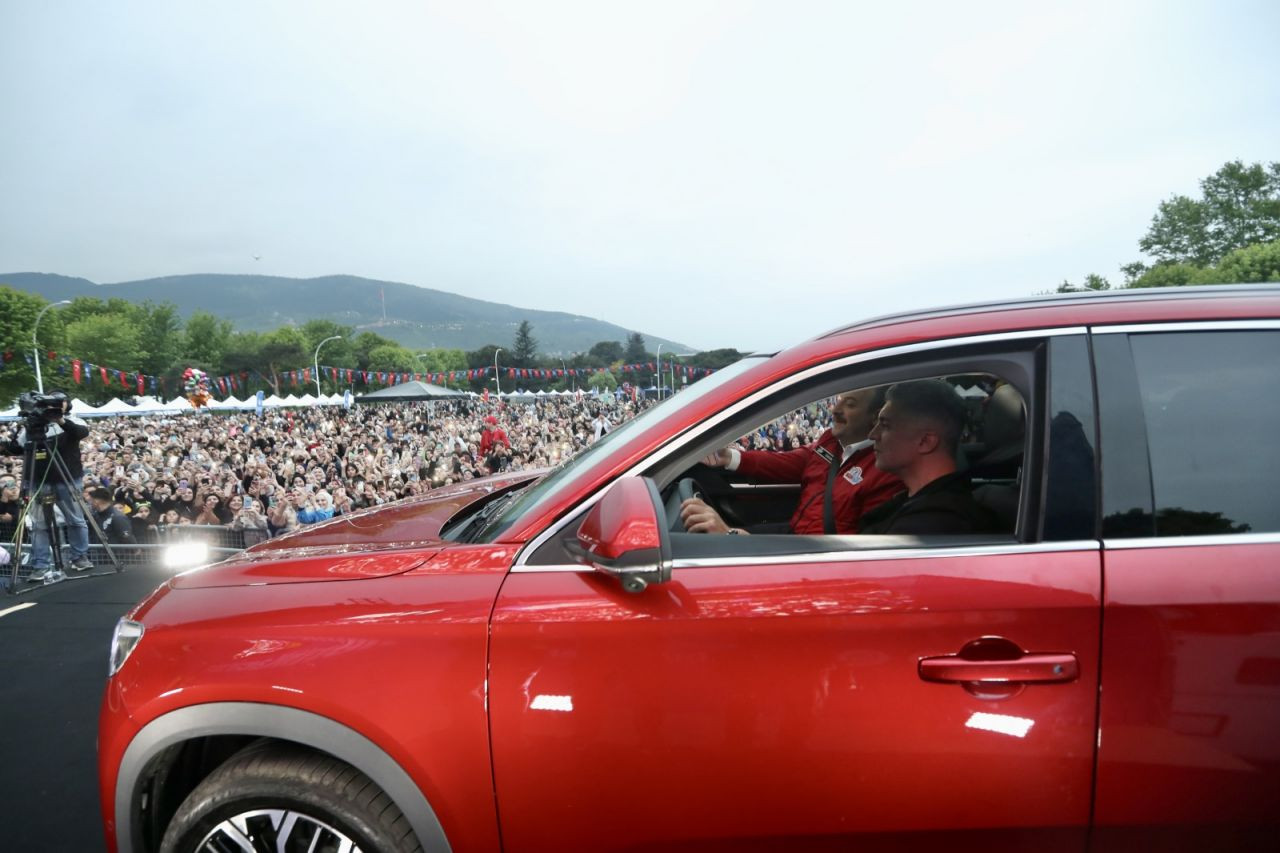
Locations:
854 475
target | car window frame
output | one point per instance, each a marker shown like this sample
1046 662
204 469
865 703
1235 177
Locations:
944 356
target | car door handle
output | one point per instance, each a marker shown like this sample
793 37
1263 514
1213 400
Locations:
1041 668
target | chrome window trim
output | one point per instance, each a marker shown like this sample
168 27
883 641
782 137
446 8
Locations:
697 430
1193 326
823 557
764 487
1214 539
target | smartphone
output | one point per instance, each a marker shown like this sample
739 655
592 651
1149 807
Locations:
248 502
182 484
271 501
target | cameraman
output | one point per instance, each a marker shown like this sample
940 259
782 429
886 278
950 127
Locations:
62 435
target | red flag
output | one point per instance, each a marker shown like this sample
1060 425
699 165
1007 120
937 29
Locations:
124 379
103 371
142 385
486 395
75 370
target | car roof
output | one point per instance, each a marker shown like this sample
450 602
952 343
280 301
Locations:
1072 300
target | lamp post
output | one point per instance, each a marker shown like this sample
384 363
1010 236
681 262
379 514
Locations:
566 373
496 382
658 375
316 360
35 347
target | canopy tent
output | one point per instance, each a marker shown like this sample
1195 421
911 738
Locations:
410 391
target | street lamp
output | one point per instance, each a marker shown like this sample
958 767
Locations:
658 375
316 360
35 347
566 373
495 369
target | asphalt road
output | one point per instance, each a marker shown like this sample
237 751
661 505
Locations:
53 668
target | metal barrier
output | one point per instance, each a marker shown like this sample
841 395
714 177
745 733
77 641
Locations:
222 542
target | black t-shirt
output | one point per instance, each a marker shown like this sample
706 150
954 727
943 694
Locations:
944 506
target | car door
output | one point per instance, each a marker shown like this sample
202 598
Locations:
1189 754
814 700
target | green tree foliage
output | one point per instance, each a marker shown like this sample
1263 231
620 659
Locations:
635 349
207 339
605 352
1250 265
162 332
107 339
1240 206
714 358
482 357
393 357
363 346
603 381
282 350
524 349
1092 281
18 310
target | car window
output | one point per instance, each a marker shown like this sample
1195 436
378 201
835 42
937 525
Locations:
989 458
1211 402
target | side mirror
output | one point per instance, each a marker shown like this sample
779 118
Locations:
625 535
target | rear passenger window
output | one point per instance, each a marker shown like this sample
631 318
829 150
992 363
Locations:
1211 401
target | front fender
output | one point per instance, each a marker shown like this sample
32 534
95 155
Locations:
280 723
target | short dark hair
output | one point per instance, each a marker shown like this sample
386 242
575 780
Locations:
933 400
100 494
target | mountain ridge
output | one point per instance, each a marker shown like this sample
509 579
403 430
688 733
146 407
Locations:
415 316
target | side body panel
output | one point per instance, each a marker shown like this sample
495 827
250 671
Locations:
781 706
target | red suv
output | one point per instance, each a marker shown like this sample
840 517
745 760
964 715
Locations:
552 662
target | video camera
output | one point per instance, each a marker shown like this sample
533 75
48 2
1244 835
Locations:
40 409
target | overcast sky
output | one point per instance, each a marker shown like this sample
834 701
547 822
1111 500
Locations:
722 174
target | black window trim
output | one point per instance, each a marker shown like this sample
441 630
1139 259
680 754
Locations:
677 454
1114 543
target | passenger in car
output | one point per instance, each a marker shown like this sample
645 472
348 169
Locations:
838 477
915 437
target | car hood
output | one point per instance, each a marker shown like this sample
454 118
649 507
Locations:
370 543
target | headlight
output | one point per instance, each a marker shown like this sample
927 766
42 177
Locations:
126 636
185 555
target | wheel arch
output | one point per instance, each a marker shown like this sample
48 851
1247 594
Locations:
250 720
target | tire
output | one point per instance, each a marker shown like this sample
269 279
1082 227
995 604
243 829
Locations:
270 793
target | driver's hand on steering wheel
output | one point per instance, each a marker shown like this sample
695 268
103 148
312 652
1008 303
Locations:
698 517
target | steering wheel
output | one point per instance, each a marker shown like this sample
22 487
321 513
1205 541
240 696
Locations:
691 487
686 487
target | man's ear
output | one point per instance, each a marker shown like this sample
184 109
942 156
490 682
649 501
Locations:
928 441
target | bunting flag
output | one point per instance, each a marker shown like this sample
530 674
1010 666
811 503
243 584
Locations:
142 385
75 370
103 372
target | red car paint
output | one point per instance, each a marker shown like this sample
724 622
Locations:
1123 693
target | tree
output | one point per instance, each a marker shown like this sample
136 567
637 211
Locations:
162 337
282 350
207 338
602 380
106 339
1092 281
635 348
1240 207
524 349
18 310
1257 263
605 352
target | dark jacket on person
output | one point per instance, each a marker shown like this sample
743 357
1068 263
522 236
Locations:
944 506
65 441
115 526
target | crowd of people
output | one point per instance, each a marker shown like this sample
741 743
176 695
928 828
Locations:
292 467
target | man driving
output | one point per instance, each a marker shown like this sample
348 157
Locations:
838 477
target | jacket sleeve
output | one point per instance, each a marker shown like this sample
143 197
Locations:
880 488
75 428
770 466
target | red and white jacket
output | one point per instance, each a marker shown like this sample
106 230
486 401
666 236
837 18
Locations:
859 485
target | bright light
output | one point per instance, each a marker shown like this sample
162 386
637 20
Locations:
1001 724
184 555
545 702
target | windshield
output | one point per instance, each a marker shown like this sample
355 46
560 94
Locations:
573 470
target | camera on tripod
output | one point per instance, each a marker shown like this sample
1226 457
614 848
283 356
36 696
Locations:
40 409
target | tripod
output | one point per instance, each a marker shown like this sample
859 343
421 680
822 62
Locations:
38 498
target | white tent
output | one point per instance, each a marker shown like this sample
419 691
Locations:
178 404
307 400
116 406
273 400
81 408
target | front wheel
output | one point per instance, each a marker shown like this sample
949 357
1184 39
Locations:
281 797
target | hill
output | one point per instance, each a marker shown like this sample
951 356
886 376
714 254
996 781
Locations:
417 317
